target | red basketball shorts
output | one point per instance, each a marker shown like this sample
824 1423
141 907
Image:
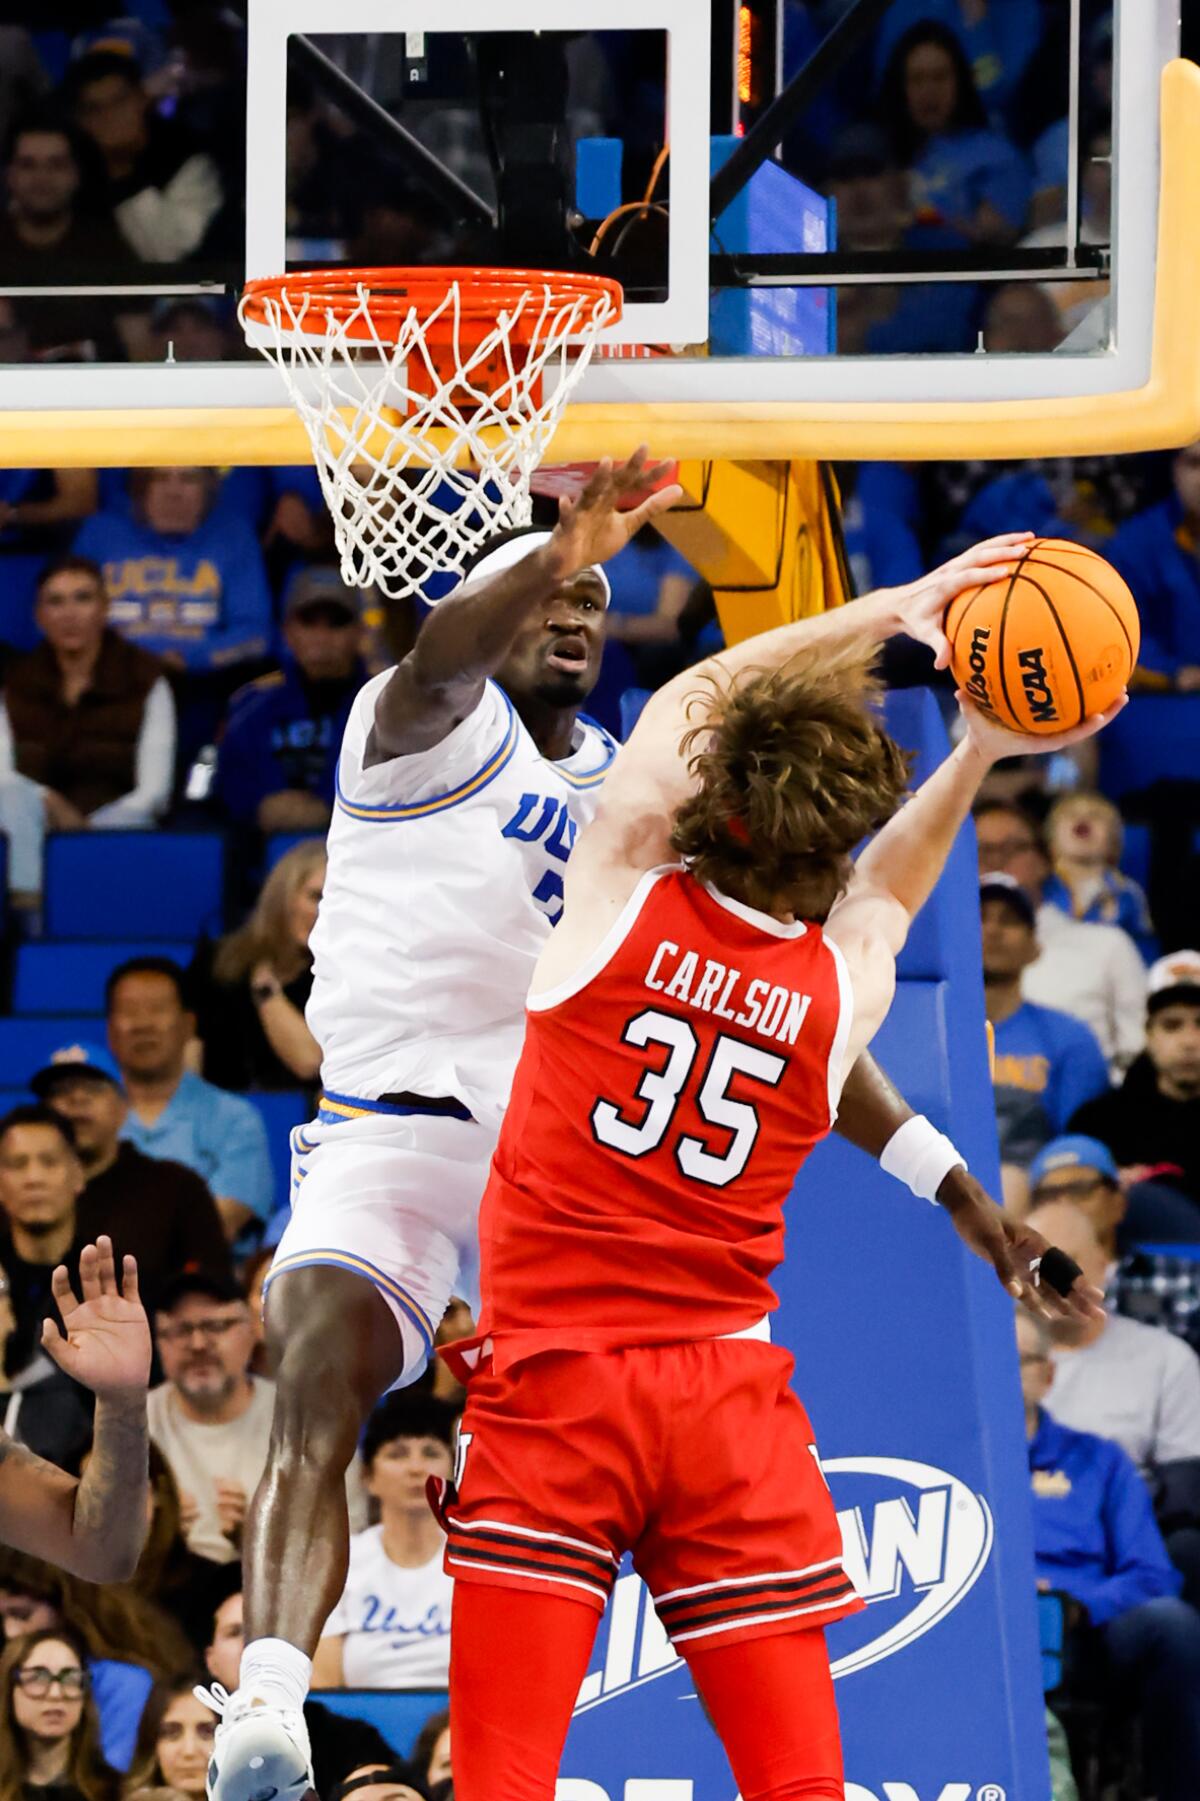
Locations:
696 1457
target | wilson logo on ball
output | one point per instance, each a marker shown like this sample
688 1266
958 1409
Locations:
977 686
1077 617
1037 686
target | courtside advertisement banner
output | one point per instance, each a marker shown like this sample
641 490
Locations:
905 1361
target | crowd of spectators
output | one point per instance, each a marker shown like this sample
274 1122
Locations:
948 131
178 647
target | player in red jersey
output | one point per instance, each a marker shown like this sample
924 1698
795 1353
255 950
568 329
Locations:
719 965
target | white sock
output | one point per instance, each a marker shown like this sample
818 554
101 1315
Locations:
275 1672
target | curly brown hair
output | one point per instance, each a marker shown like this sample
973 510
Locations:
793 769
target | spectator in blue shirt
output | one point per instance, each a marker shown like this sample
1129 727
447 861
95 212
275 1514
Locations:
1046 1063
999 38
869 191
1158 553
1096 1540
174 1113
183 582
969 184
1084 835
279 747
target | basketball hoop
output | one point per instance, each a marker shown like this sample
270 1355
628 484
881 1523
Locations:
425 399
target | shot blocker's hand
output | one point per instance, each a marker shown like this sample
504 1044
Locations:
919 608
590 529
1015 1251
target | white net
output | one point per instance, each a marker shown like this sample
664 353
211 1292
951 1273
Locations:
426 430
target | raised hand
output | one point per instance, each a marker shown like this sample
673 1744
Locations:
921 605
107 1343
590 529
995 741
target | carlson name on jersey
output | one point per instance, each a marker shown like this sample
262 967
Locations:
666 1096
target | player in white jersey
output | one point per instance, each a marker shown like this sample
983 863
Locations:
464 776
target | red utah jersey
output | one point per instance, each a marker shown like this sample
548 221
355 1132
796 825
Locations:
665 1098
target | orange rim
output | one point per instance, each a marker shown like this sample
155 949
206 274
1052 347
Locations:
332 294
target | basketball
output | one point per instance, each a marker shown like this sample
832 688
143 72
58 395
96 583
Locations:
1050 645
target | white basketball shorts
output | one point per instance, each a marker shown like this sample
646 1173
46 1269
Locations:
393 1195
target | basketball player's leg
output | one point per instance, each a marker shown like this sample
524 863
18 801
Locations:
335 1347
543 1501
771 1702
517 1659
360 1278
743 1558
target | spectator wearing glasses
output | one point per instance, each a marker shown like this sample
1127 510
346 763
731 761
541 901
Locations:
1091 971
49 1733
210 1418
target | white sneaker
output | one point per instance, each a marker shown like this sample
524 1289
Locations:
260 1752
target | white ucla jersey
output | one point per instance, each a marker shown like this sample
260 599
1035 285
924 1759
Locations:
445 877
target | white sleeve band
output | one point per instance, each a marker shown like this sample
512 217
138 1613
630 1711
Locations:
920 1156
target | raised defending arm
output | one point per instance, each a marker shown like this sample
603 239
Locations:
468 636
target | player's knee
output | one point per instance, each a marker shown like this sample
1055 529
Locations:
319 1409
327 1345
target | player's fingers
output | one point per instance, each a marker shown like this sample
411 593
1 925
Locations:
633 466
1086 729
106 1273
89 1272
996 549
599 487
662 502
129 1278
53 1340
60 1288
939 644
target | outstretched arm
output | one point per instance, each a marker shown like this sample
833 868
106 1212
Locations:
870 1114
650 779
897 872
94 1527
467 637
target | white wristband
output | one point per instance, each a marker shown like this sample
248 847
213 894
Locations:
920 1156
